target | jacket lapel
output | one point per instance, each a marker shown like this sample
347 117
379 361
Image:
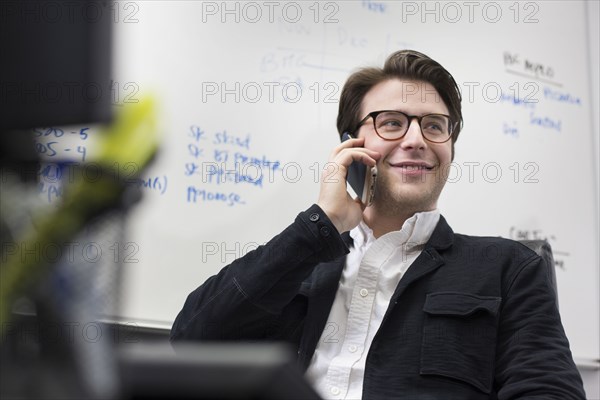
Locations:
428 261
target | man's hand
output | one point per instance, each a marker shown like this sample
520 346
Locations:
334 200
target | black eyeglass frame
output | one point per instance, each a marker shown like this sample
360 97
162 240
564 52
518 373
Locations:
373 115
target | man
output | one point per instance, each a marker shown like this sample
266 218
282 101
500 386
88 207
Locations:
385 301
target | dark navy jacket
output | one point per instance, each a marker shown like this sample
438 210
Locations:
472 318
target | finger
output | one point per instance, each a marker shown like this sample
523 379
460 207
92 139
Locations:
354 142
360 154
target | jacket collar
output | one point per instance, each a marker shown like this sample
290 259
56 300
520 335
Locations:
441 238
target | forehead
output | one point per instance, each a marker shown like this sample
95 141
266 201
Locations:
411 97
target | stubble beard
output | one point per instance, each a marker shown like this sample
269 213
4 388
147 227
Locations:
393 197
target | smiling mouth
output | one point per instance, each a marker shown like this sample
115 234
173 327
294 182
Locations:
413 167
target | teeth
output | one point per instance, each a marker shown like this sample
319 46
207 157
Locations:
412 167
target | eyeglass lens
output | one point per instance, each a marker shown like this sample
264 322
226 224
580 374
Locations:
394 124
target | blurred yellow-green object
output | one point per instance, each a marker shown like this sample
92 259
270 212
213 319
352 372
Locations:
132 140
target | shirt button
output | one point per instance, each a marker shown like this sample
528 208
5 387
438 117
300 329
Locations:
314 217
364 292
352 348
335 391
325 231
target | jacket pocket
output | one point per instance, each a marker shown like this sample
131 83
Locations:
459 337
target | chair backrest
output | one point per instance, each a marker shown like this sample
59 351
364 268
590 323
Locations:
544 250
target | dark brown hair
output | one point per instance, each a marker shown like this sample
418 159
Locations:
407 65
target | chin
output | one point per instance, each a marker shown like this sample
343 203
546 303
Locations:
402 202
407 197
395 195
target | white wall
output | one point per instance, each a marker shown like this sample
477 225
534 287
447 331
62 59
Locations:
591 374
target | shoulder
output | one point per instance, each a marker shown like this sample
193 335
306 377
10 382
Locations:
494 245
482 255
508 257
445 240
496 250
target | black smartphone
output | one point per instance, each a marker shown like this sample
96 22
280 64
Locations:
361 178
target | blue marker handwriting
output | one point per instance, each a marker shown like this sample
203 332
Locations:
229 139
517 101
561 97
196 195
545 122
58 132
229 162
194 150
374 6
214 173
49 143
156 183
241 158
53 191
510 129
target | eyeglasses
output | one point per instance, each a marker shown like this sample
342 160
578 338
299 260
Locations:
393 125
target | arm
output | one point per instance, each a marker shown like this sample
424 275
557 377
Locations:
247 296
534 360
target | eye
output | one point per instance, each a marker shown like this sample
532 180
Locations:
433 126
391 122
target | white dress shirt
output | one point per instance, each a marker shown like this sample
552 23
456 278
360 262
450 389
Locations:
373 269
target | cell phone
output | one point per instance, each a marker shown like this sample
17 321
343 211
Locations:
361 178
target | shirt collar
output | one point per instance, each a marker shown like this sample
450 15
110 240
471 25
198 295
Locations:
361 235
415 231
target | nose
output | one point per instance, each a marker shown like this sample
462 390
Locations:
413 139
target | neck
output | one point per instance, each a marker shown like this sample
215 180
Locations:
384 220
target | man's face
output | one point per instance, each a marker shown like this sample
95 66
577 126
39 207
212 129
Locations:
411 170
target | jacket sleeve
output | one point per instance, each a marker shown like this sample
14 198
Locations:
246 297
533 356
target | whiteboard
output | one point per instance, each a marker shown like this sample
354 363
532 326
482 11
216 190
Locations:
247 95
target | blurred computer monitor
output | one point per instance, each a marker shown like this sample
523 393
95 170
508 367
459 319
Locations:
215 371
55 64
